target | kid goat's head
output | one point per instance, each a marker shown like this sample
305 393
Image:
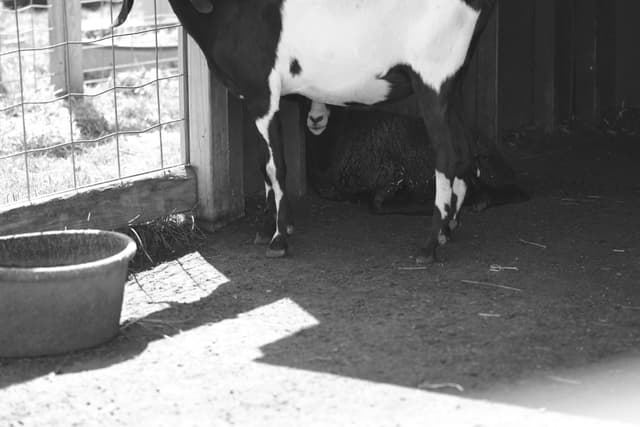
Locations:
318 117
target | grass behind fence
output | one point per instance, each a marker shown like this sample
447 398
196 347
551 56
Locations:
49 127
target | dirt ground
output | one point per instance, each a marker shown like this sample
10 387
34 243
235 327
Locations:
349 331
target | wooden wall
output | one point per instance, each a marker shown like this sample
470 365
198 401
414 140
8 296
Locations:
627 52
566 59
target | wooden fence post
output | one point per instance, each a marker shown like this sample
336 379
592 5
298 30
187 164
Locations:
2 88
215 144
294 148
65 23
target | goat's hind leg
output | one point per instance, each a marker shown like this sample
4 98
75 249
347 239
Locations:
453 164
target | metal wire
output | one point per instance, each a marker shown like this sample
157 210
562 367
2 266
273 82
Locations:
90 95
155 18
115 94
146 173
67 84
24 123
93 140
70 96
87 43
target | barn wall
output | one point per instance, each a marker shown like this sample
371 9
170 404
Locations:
565 60
627 59
516 59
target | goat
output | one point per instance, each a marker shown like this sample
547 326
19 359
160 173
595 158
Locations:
386 159
343 52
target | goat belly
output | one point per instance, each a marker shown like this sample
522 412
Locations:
343 49
329 89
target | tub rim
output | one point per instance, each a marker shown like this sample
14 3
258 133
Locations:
43 273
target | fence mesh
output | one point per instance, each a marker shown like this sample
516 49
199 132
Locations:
82 105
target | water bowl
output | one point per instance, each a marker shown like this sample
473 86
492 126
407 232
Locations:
61 291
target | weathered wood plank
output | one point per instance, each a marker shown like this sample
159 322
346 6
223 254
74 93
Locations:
65 19
215 144
565 59
516 63
294 147
488 75
585 70
606 55
627 52
470 93
545 102
108 206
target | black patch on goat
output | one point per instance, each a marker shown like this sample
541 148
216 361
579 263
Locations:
399 78
295 68
239 41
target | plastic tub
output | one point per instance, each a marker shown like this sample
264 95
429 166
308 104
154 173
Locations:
61 291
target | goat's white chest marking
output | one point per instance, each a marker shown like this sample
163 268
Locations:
343 47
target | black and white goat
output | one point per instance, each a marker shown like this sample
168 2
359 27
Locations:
343 52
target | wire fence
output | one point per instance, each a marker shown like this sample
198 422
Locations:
82 105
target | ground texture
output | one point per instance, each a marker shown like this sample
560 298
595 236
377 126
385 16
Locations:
349 331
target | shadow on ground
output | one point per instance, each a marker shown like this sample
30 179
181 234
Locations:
569 302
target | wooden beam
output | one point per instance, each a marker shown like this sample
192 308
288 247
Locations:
606 69
470 93
294 147
627 52
516 63
586 102
106 207
488 78
606 56
565 59
215 144
545 100
65 20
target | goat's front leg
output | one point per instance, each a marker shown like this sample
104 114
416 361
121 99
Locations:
278 221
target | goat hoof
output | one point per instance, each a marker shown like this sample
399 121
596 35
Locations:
426 258
427 255
278 247
276 253
443 237
261 239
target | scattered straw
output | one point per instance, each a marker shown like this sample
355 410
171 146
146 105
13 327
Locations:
495 268
439 386
492 285
163 239
628 307
563 380
537 245
490 315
